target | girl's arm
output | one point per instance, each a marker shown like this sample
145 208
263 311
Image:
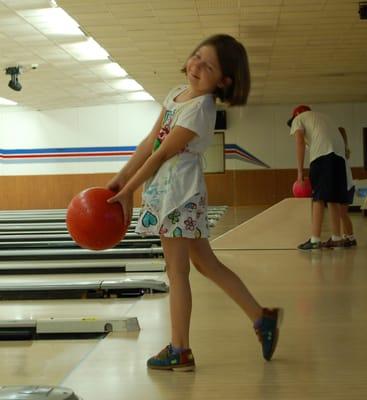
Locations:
177 139
142 152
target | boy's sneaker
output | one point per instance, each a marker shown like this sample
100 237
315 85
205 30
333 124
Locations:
350 242
331 244
267 330
167 359
309 245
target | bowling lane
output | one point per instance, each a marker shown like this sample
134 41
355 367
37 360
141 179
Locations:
282 226
49 361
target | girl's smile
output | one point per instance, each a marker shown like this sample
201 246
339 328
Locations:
203 71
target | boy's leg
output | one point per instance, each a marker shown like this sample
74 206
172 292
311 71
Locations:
346 222
317 172
347 226
334 214
337 195
318 207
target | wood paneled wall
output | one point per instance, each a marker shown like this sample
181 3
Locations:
233 188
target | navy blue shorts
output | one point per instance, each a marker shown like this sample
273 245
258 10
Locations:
351 195
329 179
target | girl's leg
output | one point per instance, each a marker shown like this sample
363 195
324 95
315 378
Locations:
207 263
176 253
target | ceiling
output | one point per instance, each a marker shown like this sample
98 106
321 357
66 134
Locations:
300 51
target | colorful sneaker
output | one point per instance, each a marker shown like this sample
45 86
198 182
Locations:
267 330
309 245
167 359
331 244
349 242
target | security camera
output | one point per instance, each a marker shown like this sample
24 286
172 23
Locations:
14 83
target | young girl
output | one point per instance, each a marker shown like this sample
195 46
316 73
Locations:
168 160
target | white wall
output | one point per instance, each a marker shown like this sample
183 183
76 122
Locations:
111 125
260 130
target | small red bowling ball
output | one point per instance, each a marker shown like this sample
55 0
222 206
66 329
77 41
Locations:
92 222
302 190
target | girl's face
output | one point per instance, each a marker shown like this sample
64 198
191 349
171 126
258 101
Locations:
203 71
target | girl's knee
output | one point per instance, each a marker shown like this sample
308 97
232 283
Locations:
207 267
177 271
199 267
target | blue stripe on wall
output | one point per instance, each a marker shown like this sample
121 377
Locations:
67 150
98 154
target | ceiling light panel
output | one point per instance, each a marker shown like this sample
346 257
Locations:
52 21
109 70
139 96
88 50
126 85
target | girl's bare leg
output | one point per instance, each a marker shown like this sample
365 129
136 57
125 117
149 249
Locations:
207 263
176 253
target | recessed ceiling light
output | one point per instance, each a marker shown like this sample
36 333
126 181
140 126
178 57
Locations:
139 96
86 51
127 85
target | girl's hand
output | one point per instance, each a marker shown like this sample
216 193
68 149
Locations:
117 183
126 201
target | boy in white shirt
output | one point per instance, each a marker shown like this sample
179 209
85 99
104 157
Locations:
327 170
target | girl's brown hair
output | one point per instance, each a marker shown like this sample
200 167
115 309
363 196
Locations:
233 61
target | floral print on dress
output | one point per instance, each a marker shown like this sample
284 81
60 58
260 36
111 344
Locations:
190 224
174 216
165 129
163 230
191 206
177 232
149 219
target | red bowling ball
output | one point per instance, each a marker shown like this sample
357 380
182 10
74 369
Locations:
302 190
92 222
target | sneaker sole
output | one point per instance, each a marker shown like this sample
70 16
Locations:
280 316
306 250
183 368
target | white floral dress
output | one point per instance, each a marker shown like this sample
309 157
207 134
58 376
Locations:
175 198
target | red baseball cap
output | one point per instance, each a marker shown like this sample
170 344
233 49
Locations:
298 110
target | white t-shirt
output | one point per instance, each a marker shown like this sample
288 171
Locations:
197 115
321 134
180 178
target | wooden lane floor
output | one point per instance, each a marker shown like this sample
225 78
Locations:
321 353
319 356
49 361
282 226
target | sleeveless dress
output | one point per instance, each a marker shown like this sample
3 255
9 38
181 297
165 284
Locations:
175 198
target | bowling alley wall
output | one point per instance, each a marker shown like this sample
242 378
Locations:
46 157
